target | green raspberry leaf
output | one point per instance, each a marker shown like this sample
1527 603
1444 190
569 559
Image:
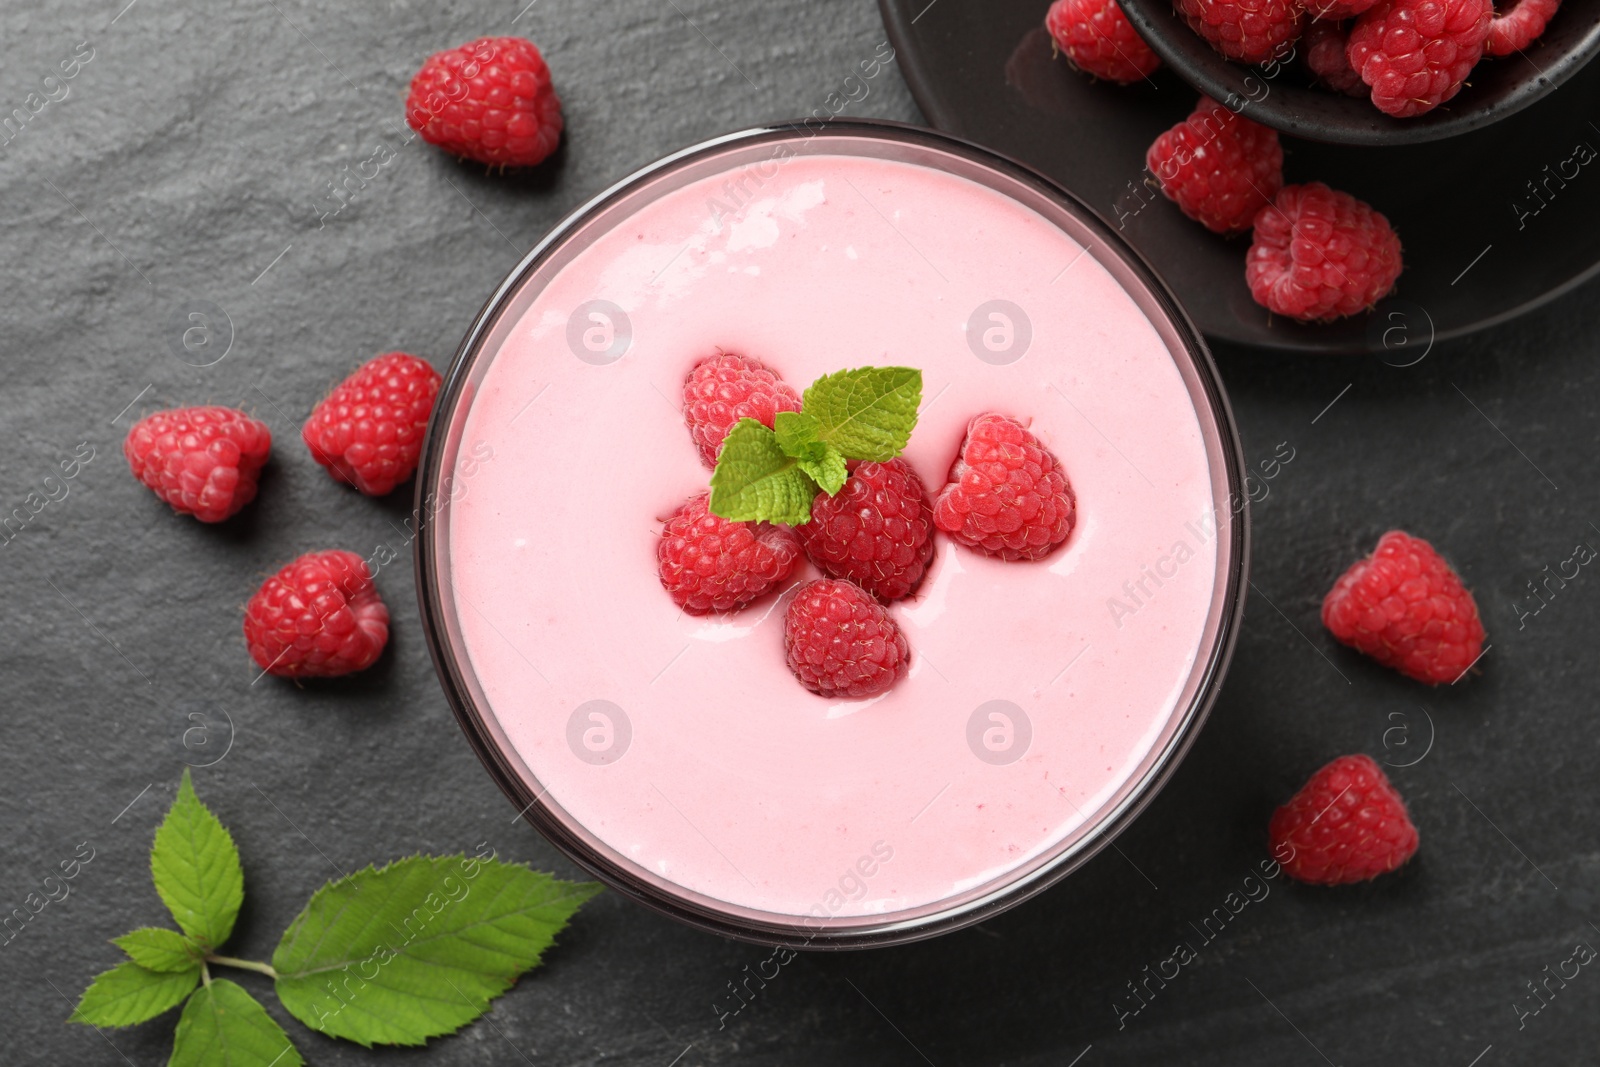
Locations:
129 994
829 471
196 869
756 481
399 954
223 1026
867 413
157 949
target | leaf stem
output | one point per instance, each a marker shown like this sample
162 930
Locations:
248 965
205 974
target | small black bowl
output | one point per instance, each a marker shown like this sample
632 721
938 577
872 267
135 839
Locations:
1280 95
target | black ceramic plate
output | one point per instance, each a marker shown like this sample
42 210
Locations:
1494 222
1280 97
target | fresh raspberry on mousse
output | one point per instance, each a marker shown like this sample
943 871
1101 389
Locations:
840 642
877 531
203 461
1008 496
711 564
728 386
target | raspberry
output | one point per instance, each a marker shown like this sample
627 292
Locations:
1218 167
1008 495
490 100
1250 31
726 387
1347 824
1405 607
1327 58
204 461
842 643
877 531
1319 254
1416 54
368 431
318 617
1098 39
1514 30
708 563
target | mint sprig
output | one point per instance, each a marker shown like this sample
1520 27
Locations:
773 475
393 955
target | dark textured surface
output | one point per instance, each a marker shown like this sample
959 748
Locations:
194 148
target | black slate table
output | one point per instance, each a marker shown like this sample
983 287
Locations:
187 170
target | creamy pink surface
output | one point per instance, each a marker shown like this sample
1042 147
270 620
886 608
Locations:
739 784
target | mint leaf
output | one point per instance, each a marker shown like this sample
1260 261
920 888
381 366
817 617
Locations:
129 994
156 949
398 954
223 1026
196 869
867 413
797 434
755 481
829 471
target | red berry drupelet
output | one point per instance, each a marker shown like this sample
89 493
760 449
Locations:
204 461
1347 824
708 563
1218 167
1008 496
1416 54
1406 608
318 617
1319 255
368 431
490 100
1098 39
1514 30
1327 46
840 642
726 387
877 531
1250 31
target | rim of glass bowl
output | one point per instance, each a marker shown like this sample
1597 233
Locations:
1225 456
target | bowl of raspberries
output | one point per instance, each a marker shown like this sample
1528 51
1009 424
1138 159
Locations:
1361 72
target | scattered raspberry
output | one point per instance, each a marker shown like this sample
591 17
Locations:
1218 167
1514 30
727 387
1098 39
1008 496
1250 31
1327 56
368 431
1347 824
318 617
204 461
1319 254
1405 607
708 563
490 100
842 643
877 531
1331 11
1416 54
